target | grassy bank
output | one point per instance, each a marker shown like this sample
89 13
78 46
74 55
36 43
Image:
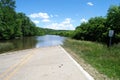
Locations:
4 47
105 60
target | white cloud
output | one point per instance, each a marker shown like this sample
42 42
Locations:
83 20
67 21
90 4
45 20
65 25
40 15
36 21
43 17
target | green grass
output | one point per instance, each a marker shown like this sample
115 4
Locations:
105 60
4 47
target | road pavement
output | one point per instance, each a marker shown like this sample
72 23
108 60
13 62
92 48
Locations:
47 63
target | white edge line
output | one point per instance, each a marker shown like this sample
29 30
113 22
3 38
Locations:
78 65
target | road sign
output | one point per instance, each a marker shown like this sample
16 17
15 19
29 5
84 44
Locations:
111 32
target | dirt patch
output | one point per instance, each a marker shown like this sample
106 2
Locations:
87 67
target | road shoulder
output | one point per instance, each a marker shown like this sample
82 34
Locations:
87 67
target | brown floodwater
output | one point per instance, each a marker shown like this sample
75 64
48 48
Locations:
35 42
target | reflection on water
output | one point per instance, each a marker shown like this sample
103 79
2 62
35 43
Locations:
35 42
49 40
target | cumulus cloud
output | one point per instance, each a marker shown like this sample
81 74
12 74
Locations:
64 25
40 15
45 20
36 21
83 20
43 17
90 4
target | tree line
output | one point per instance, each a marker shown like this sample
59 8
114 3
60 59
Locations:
97 28
66 33
13 24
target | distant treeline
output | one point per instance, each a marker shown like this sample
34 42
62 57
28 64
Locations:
97 28
13 24
66 33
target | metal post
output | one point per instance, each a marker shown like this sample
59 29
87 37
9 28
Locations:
110 41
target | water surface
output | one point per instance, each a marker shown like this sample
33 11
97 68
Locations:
35 42
49 40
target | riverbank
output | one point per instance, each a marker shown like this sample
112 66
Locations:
4 47
103 61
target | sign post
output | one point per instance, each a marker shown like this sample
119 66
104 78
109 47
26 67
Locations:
111 33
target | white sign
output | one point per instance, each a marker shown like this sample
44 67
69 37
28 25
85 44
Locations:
111 32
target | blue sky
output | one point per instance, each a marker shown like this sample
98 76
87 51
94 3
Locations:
63 14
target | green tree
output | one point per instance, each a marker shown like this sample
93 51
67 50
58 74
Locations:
93 30
26 26
81 31
96 29
113 21
13 24
7 18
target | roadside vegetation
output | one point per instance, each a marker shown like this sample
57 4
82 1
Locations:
105 60
92 43
97 28
4 47
15 25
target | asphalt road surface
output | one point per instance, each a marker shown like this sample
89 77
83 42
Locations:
48 63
